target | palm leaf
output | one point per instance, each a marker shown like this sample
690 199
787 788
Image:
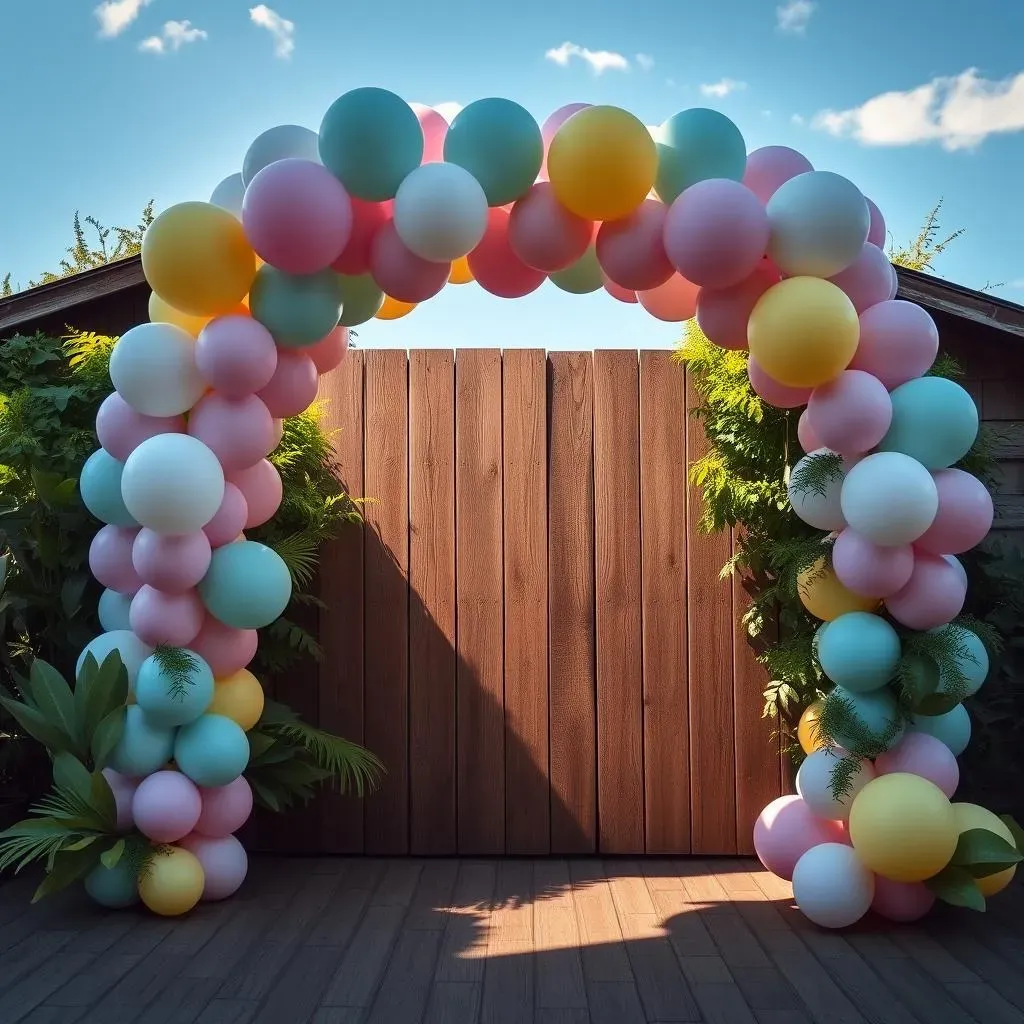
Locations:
34 839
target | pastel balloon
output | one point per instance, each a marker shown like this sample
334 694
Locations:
822 594
225 808
434 128
831 887
362 298
964 517
672 302
460 272
786 829
619 293
543 234
229 519
953 728
779 395
173 695
723 313
328 352
166 806
399 272
392 309
224 864
229 193
236 355
298 310
934 420
958 566
123 789
144 747
807 730
173 483
153 368
859 651
889 499
99 485
367 219
110 559
809 441
901 901
817 506
240 698
631 251
247 587
170 620
173 882
582 277
898 342
211 751
371 140
114 888
878 716
814 784
495 265
440 212
868 279
933 595
164 313
770 167
131 650
113 610
971 816
262 489
282 142
922 754
972 664
550 127
876 232
850 413
120 429
290 391
696 145
238 431
869 569
224 649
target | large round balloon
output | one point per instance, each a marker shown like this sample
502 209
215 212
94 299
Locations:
224 649
402 274
822 594
238 697
672 302
934 420
110 559
236 355
889 498
114 888
166 806
814 784
832 887
496 266
868 568
121 429
440 212
144 747
934 594
877 717
631 251
394 309
868 279
550 127
262 489
898 342
924 755
972 664
695 145
224 864
228 195
173 695
131 650
225 808
953 728
723 314
282 142
211 751
239 431
964 517
851 413
166 620
971 816
544 234
818 507
298 310
99 484
153 368
786 829
172 883
859 651
248 585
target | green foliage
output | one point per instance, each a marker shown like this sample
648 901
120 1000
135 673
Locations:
178 667
929 244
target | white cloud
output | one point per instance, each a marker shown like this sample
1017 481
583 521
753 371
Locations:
722 87
797 119
280 28
599 60
115 16
645 61
174 36
448 110
794 15
957 112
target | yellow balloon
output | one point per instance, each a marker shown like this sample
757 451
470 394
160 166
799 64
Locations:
602 163
825 597
238 697
807 728
172 882
394 309
903 827
970 816
161 312
460 273
197 259
803 332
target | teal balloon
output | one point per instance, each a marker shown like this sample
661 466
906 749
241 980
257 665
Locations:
170 700
500 144
247 585
116 887
100 486
297 309
113 610
581 277
876 711
361 299
144 747
816 640
934 420
859 652
212 750
973 666
695 145
953 728
370 139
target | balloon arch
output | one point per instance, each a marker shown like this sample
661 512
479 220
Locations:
253 295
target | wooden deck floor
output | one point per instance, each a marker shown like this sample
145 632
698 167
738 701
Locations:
460 942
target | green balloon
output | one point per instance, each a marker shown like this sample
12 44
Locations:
297 309
115 887
581 277
361 299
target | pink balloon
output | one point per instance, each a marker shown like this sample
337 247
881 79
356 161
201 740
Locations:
230 519
770 390
158 618
716 233
401 273
327 353
225 808
495 265
898 342
964 517
238 431
224 649
224 864
786 829
672 302
236 355
123 789
550 127
110 559
166 806
868 279
894 284
171 563
297 216
933 596
291 390
121 429
631 250
869 569
772 166
261 487
543 234
921 754
618 292
434 128
901 901
809 441
723 313
851 413
876 233
367 219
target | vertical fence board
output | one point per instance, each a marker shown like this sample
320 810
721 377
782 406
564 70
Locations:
480 728
571 602
663 532
432 602
524 454
620 772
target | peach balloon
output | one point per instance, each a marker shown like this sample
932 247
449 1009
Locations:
394 309
779 395
901 901
672 302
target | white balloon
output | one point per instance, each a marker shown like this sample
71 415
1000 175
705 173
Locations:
132 650
889 498
228 195
822 511
172 483
831 887
153 368
281 143
114 610
814 784
440 212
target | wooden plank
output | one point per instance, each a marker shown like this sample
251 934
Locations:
524 446
341 591
480 673
432 602
710 660
620 714
663 585
386 559
571 604
1006 438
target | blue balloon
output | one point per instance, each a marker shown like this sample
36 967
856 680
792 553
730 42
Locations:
500 144
113 610
934 420
370 139
212 750
361 299
816 640
876 712
859 652
953 728
247 585
974 666
115 887
297 309
695 145
144 747
171 702
100 487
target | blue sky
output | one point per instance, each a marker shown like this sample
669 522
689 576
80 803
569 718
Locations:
109 106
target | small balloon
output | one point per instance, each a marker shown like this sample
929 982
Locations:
238 431
543 234
898 342
933 596
211 751
174 694
786 829
99 485
283 142
130 649
822 594
144 747
876 232
582 277
229 519
965 514
262 489
291 390
809 441
868 279
494 264
672 302
362 299
402 274
440 212
110 559
889 499
870 569
831 887
153 368
166 620
247 587
434 128
328 352
921 754
224 649
166 806
367 220
550 127
298 310
224 864
225 808
120 429
850 413
172 883
392 309
771 167
723 314
814 784
779 395
953 728
859 651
